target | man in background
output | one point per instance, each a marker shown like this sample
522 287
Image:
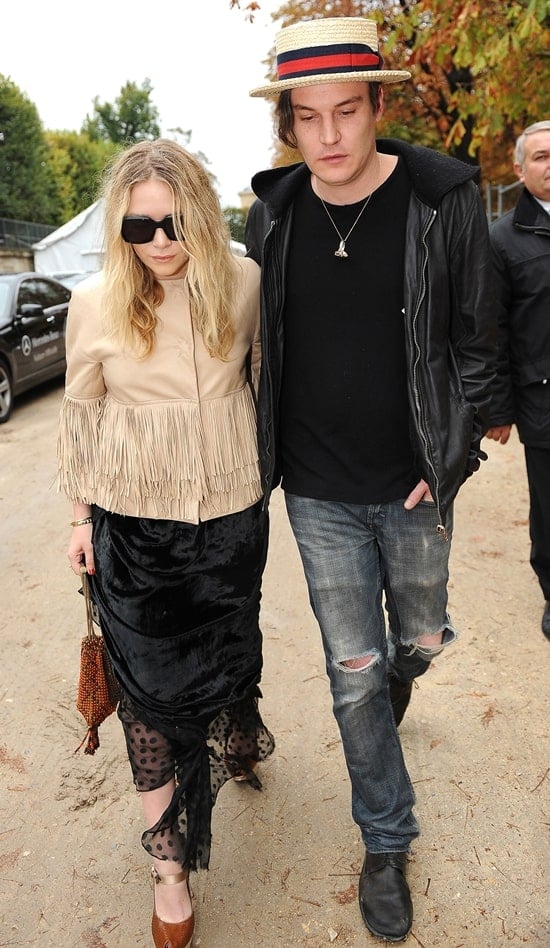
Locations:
520 243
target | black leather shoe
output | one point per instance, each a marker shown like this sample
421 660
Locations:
384 897
546 620
400 695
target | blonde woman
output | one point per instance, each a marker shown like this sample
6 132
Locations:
157 452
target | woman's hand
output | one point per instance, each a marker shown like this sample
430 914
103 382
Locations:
81 550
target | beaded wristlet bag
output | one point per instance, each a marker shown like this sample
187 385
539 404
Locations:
98 689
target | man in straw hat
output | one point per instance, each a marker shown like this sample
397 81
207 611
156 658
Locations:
378 352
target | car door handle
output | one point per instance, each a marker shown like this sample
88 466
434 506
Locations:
50 319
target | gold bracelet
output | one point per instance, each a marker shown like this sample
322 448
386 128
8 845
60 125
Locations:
80 523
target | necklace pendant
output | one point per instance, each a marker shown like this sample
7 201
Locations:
341 252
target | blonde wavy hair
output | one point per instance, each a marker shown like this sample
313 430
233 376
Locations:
132 291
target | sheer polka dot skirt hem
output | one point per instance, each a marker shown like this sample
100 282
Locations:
234 742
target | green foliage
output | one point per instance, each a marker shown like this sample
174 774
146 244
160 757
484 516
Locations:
484 65
77 164
49 177
131 118
236 218
28 188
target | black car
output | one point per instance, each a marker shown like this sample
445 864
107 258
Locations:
33 315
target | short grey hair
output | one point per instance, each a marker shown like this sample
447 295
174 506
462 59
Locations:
519 152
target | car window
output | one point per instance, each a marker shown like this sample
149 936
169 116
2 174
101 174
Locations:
43 292
26 293
52 293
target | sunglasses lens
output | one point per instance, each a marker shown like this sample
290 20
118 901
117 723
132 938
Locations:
168 228
137 230
141 230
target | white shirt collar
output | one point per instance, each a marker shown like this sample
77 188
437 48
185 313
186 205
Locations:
544 204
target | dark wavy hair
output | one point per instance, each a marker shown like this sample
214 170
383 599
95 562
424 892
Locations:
285 115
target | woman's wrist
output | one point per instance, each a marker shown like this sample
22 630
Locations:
82 514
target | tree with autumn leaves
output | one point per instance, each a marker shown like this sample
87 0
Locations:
480 70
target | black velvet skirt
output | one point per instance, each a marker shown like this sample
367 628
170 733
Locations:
179 610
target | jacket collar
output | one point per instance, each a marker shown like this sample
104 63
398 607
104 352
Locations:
432 175
529 213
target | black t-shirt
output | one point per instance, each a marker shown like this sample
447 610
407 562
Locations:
344 408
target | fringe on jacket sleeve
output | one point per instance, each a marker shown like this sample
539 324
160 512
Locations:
78 446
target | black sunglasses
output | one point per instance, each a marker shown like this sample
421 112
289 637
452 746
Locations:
141 230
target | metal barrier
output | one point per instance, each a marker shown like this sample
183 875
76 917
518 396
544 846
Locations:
496 202
21 234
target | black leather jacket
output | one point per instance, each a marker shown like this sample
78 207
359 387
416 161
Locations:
450 329
520 242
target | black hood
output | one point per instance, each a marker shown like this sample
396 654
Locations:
432 175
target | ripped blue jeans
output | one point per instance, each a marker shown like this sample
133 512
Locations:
357 559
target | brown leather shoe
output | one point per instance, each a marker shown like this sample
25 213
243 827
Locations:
246 775
172 934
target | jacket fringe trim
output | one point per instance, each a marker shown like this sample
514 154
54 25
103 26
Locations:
163 460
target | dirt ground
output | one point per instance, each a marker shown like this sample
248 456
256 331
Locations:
285 861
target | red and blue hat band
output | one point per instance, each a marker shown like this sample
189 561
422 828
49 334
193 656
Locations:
336 58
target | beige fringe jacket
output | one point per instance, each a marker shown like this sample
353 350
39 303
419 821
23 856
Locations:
172 436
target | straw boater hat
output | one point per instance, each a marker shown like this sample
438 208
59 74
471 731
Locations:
333 49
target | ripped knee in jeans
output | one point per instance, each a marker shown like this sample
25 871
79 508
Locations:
430 645
361 663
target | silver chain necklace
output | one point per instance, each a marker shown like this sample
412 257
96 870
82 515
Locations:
342 252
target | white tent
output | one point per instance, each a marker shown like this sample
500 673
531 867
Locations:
77 245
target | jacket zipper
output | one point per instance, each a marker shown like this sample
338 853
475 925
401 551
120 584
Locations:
269 429
441 529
